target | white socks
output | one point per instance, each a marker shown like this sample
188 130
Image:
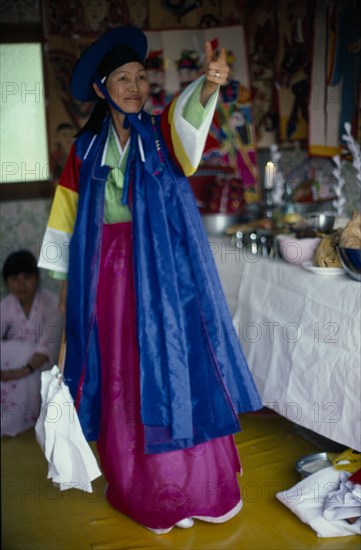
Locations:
185 523
182 524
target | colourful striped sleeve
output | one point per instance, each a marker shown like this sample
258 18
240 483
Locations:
55 246
188 126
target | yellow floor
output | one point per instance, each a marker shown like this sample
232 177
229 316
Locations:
35 516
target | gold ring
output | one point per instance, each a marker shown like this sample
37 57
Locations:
218 74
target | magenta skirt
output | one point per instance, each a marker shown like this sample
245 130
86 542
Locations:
156 490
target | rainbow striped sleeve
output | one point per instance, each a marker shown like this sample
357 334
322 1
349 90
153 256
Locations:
188 136
54 253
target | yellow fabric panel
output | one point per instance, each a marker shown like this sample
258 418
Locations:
63 210
180 153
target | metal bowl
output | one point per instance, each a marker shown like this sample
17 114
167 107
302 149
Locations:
351 261
322 221
309 207
308 465
215 224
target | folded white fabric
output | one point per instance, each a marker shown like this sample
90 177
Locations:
306 500
345 502
71 462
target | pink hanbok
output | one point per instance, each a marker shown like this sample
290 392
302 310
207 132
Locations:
156 490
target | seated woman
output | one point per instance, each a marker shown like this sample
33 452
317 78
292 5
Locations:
31 327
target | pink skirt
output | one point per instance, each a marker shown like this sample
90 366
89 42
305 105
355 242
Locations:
156 490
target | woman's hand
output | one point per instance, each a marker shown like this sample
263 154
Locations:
37 360
216 72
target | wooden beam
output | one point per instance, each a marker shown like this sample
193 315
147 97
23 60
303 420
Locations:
26 190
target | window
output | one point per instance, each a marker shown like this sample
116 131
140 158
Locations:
24 171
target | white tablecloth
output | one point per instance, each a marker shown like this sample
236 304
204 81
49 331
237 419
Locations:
301 336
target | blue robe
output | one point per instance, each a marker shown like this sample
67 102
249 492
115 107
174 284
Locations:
193 375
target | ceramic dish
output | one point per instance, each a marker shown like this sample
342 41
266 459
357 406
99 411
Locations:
324 271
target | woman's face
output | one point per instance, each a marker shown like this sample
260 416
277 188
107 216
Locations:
128 86
23 286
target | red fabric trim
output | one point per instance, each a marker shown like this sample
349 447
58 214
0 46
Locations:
80 390
166 134
356 477
70 175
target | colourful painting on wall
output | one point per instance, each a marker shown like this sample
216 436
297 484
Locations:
262 43
171 67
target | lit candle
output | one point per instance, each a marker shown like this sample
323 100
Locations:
269 175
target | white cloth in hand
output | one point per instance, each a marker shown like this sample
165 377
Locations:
71 462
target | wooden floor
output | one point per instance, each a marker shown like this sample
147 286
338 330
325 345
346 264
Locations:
36 516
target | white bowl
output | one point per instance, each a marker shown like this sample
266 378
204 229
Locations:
297 251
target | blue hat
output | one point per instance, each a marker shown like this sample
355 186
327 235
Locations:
85 69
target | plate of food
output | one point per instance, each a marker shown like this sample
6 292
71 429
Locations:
325 271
